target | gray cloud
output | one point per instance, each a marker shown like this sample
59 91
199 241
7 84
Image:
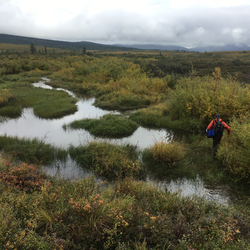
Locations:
187 27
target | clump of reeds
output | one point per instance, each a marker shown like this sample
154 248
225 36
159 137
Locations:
165 153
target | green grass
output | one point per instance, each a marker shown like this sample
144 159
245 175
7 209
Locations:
31 150
156 116
46 103
11 111
108 161
107 126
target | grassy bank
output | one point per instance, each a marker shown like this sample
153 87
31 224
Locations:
40 213
17 93
35 150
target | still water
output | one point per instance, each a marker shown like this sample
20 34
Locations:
30 126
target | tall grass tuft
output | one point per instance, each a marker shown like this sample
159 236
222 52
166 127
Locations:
31 150
11 111
163 159
109 161
165 153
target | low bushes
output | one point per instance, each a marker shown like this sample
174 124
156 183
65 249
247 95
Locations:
5 97
22 177
195 101
107 126
126 214
8 106
234 150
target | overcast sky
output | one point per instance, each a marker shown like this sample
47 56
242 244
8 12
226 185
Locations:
186 23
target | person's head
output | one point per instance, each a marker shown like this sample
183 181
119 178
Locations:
217 116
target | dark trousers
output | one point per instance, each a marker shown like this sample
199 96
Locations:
216 142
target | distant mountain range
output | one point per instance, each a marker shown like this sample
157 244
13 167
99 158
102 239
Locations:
153 47
228 47
4 38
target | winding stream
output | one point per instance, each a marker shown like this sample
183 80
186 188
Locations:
30 126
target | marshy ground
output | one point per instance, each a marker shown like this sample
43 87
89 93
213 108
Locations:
124 212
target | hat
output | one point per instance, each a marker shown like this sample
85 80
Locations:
217 115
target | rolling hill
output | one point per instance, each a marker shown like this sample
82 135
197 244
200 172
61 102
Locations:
4 38
11 39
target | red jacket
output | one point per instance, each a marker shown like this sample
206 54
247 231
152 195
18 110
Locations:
213 122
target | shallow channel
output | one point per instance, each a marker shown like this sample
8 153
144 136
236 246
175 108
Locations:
31 126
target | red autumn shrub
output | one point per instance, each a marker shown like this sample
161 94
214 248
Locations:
24 177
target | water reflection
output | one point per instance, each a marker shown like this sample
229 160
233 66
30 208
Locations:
68 169
30 126
189 187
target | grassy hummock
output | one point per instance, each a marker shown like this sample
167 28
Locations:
107 126
107 160
17 93
165 153
46 103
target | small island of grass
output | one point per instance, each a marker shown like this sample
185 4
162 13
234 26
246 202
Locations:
107 126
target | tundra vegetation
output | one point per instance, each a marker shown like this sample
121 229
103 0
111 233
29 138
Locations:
167 90
111 162
107 126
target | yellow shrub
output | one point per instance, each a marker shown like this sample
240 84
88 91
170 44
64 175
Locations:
167 153
235 148
5 97
202 98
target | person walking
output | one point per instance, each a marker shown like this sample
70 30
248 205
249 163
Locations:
218 126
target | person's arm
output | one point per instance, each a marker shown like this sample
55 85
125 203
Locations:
210 125
226 127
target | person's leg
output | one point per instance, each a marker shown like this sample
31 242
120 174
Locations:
216 142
